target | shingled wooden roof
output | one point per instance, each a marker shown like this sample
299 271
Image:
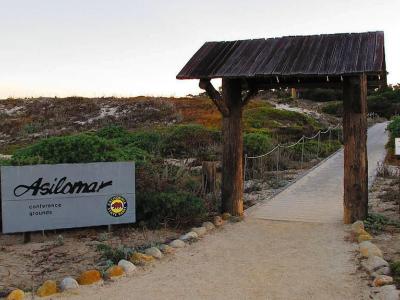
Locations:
290 56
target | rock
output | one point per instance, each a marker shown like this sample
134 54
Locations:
218 221
373 263
177 244
166 249
388 292
189 236
89 277
153 251
381 280
381 271
226 216
127 266
368 249
201 231
208 225
364 237
357 227
49 287
141 259
236 219
16 295
69 283
114 271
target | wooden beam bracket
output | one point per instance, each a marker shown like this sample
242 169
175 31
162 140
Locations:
215 96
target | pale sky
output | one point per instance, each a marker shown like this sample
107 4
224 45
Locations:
131 47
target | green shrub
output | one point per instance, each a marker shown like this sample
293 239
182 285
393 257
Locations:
151 141
81 148
169 207
5 162
394 129
395 269
377 222
189 140
321 95
112 132
256 143
333 108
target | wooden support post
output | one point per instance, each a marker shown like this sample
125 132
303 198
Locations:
355 148
232 154
231 104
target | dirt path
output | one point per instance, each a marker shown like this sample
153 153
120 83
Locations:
258 258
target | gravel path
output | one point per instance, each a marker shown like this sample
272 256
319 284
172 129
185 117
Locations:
259 258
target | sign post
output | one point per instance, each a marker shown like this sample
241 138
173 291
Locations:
43 197
397 146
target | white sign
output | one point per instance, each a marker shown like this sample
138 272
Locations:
397 146
43 197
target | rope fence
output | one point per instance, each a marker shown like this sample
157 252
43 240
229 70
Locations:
292 156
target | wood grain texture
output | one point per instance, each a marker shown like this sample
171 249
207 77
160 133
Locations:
355 149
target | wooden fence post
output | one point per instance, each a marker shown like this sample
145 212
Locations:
209 177
355 148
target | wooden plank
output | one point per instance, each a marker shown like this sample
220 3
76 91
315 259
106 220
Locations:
355 200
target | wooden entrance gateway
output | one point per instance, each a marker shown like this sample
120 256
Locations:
353 62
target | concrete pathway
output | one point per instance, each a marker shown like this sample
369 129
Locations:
318 196
261 258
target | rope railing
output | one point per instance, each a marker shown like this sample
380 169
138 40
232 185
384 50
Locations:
287 156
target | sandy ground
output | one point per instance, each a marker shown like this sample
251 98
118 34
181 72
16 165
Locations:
255 259
260 258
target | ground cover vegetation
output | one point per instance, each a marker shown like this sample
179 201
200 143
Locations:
168 147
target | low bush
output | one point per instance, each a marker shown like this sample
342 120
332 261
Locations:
321 95
256 143
5 162
394 130
112 132
189 141
395 269
81 148
333 108
169 208
151 141
377 222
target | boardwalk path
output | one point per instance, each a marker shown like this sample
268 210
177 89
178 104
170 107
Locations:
261 258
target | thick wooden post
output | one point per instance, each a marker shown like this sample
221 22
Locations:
232 155
355 148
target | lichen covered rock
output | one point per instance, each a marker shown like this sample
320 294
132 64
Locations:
218 221
69 283
357 227
382 280
89 277
201 231
368 249
364 237
177 244
154 251
166 249
127 266
114 271
16 295
226 216
190 236
141 259
48 288
208 225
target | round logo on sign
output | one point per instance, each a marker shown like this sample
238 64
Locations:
117 206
